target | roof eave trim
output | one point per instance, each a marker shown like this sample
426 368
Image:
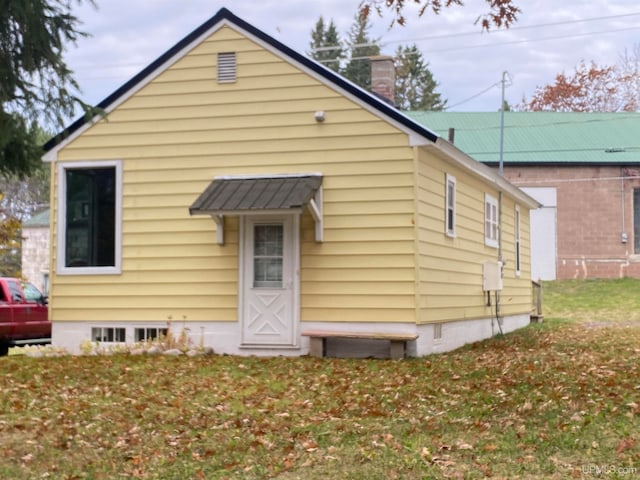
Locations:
267 175
240 213
556 163
135 84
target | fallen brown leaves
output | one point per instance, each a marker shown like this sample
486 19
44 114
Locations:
538 403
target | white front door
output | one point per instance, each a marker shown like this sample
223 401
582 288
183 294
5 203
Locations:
269 283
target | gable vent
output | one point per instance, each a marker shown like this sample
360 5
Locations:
226 67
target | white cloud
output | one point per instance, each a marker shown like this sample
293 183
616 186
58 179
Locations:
128 35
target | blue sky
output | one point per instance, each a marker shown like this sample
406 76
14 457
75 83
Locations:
550 36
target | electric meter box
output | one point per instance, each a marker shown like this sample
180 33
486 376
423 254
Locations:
492 276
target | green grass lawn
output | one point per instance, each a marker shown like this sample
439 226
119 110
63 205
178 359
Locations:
555 400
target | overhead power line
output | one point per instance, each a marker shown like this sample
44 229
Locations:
539 39
473 96
476 33
516 28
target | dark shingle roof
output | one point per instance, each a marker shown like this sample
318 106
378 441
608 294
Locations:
238 194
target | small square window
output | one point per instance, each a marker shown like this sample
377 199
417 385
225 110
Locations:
149 334
108 334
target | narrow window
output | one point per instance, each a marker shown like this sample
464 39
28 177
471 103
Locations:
89 218
490 221
517 238
226 67
450 203
268 255
108 334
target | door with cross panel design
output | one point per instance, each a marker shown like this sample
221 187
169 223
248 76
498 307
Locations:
268 316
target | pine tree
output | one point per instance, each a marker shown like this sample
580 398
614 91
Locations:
361 47
415 85
35 82
326 45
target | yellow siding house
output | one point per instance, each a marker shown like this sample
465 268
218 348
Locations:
242 193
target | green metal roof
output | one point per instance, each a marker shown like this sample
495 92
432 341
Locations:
38 220
541 137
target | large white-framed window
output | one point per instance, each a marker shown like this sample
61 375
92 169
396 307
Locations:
89 219
490 221
450 206
516 218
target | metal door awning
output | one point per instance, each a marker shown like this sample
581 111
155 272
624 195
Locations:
266 194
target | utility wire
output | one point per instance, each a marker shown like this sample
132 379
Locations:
512 42
539 39
473 96
475 33
511 29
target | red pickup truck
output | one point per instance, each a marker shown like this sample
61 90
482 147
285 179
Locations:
24 316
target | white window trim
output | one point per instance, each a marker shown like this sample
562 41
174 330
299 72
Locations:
450 179
518 243
61 220
490 201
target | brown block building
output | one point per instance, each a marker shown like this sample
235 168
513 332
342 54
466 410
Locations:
584 168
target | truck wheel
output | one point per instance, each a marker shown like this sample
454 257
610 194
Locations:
4 349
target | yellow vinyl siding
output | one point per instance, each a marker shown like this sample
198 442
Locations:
224 146
182 129
450 269
235 113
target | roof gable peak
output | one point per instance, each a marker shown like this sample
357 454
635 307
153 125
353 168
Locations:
225 17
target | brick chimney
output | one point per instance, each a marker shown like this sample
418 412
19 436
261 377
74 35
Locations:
383 77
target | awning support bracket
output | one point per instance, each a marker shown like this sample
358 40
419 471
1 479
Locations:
219 219
315 207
